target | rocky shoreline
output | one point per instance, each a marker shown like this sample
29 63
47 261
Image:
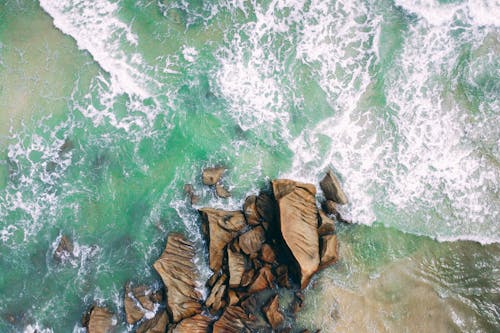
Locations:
261 258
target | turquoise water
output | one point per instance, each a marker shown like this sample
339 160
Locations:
401 98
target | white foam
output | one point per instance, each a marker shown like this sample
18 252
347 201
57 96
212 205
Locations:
95 26
189 53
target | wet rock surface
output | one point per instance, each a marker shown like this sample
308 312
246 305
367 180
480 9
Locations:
98 320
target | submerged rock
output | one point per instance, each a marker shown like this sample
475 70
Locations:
222 228
273 313
189 190
178 272
211 176
221 191
98 320
64 249
332 190
299 225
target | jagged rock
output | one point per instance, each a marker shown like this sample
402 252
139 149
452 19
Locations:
267 254
299 224
64 249
237 264
222 227
98 320
250 210
195 324
264 280
282 276
189 190
266 207
133 313
273 313
157 324
330 207
221 191
327 226
178 273
329 250
251 241
332 190
211 176
234 319
216 299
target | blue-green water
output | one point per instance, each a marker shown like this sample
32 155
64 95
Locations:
401 98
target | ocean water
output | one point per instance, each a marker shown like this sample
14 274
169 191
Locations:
107 108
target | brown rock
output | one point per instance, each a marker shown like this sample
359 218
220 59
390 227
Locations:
264 280
252 240
195 324
98 320
298 302
266 207
189 190
221 191
216 299
329 250
330 207
222 227
133 312
273 313
267 254
211 176
247 277
332 189
211 281
234 319
299 224
178 273
282 276
250 210
237 265
233 297
157 324
327 226
64 249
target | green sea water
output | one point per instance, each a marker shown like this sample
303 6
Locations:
107 108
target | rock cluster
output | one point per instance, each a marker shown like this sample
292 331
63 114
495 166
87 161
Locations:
280 239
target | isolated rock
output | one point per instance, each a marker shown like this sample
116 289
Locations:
273 313
195 324
299 224
250 210
211 176
157 324
178 273
221 191
332 190
222 227
189 190
251 241
64 249
236 267
329 250
98 320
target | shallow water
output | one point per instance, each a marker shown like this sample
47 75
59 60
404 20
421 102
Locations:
400 98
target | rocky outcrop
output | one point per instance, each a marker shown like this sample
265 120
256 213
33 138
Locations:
298 218
157 324
332 190
98 320
138 301
211 176
222 227
176 268
273 313
196 324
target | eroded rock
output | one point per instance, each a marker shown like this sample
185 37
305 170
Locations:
264 280
157 324
299 224
332 190
329 250
196 324
250 210
64 249
236 265
216 299
98 320
267 254
221 191
273 313
251 241
234 319
179 274
211 176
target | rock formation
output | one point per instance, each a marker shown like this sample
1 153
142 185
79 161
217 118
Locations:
98 320
211 176
332 190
